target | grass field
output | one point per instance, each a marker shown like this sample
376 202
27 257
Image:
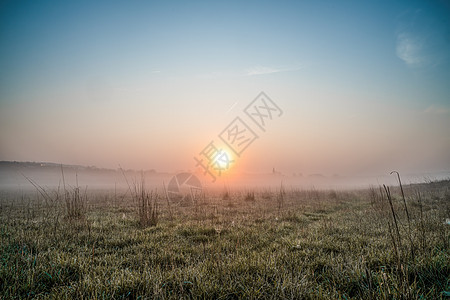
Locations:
279 243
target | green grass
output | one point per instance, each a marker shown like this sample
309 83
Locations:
319 244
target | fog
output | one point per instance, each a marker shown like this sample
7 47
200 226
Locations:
26 176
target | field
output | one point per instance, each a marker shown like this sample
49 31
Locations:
283 243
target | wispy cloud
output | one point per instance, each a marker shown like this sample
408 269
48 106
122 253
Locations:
422 40
261 70
435 110
409 49
252 71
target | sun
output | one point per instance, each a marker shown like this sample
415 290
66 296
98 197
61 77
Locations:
223 160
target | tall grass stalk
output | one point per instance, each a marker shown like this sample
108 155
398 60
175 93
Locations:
410 235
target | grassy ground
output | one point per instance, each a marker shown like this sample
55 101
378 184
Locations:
248 244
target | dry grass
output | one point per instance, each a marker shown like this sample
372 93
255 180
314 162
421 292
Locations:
318 244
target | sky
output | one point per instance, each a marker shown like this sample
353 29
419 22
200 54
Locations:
362 87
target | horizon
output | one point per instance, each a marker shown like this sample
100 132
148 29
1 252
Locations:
351 88
30 175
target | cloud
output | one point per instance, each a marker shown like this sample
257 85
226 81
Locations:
260 70
432 109
253 71
409 49
422 39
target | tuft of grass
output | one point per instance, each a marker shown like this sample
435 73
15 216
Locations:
280 197
75 203
250 196
147 203
226 194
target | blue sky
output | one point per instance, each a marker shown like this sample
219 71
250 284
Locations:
108 74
